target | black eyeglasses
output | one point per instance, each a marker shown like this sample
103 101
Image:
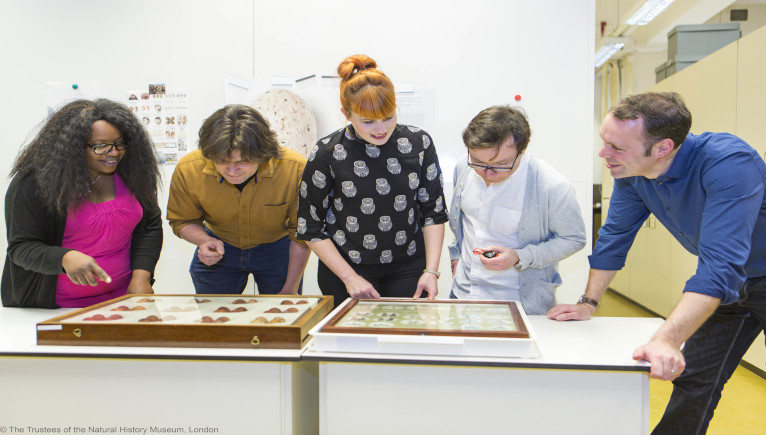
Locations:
492 168
106 148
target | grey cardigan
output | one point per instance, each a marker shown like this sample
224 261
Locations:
551 229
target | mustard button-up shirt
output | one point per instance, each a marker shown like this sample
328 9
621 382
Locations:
265 211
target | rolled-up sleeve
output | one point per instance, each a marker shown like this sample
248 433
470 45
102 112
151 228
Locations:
735 192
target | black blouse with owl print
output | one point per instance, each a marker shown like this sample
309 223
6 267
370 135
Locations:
373 201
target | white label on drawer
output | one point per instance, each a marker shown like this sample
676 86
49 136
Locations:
49 327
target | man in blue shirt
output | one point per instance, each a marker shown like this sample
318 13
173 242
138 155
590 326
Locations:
708 191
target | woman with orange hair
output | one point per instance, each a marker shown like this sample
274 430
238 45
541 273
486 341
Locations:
371 204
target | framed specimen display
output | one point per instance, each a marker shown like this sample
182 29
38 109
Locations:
243 321
419 326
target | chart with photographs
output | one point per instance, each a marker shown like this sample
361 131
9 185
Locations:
257 321
410 326
430 317
165 115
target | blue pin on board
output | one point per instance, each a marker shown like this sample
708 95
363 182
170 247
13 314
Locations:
75 86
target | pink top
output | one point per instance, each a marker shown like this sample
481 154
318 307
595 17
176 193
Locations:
103 231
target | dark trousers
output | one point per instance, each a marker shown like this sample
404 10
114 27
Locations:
712 354
395 280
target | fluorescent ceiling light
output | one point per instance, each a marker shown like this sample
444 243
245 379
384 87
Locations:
647 12
609 46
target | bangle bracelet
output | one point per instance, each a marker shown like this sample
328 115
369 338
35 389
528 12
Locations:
435 272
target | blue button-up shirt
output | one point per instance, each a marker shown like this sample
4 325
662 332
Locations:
712 200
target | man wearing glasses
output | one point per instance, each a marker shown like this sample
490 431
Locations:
514 217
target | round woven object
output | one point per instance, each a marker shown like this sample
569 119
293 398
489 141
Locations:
290 118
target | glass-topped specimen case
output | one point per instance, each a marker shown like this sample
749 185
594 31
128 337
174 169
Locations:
238 321
438 327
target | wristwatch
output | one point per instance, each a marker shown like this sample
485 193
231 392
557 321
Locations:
435 272
586 300
518 266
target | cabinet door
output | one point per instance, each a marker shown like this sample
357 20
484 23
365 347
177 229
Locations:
621 281
683 265
650 268
756 355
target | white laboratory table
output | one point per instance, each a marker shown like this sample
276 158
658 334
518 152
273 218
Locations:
585 382
162 390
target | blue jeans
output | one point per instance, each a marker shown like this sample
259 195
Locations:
712 353
267 263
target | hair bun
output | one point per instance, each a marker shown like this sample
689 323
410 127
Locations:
354 64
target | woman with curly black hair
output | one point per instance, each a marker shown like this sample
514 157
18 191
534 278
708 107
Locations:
82 219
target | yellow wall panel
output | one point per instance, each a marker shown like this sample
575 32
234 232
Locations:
751 90
662 86
709 88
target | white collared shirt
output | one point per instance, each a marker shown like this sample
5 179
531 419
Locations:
490 216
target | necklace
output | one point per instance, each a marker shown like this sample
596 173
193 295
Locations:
93 183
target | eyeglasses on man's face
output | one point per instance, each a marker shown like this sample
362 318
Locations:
492 168
106 148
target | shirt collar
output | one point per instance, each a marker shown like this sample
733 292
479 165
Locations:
682 159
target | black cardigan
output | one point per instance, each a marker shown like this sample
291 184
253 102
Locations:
33 261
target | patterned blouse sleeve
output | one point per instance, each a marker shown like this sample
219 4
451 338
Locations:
431 202
315 188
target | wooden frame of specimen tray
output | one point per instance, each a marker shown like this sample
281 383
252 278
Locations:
419 326
239 321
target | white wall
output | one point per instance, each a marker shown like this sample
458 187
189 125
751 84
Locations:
473 54
127 45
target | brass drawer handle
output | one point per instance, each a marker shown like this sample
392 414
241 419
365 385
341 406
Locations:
77 332
255 341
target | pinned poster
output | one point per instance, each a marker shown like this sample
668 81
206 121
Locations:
165 116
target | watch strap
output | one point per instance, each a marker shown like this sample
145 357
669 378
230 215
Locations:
586 300
435 272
